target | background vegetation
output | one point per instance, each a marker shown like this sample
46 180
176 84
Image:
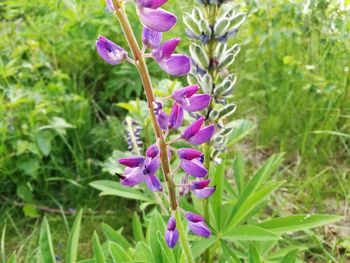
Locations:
60 121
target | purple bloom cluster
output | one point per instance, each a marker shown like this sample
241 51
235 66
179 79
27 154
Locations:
143 169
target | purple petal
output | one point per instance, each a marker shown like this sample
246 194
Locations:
150 38
192 217
151 3
176 117
109 6
165 50
177 65
109 51
200 229
194 168
188 153
163 120
153 183
152 151
186 92
157 19
171 238
132 161
171 223
192 129
134 177
196 185
151 166
205 192
203 135
197 102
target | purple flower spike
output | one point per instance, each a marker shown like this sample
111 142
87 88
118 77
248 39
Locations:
192 129
203 135
177 65
176 117
157 19
109 51
196 224
152 151
205 192
132 162
165 50
153 183
190 162
150 38
190 102
171 234
151 3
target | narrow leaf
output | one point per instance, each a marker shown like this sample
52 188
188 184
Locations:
290 257
73 239
254 256
115 236
250 233
200 246
98 253
118 253
137 228
238 168
167 253
45 243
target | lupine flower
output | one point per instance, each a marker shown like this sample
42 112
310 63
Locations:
171 234
109 51
153 17
150 38
140 169
173 64
172 121
201 188
196 224
190 101
191 161
195 134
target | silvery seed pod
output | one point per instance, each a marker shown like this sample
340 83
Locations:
213 116
207 83
226 87
192 79
218 139
226 111
205 27
220 50
226 61
197 14
236 20
221 26
235 49
225 131
199 55
192 24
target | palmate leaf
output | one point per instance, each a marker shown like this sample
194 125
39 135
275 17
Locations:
250 233
294 223
73 239
108 187
45 243
253 255
290 257
199 247
143 252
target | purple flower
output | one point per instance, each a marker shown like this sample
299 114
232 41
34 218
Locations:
109 6
155 18
196 224
191 161
171 234
174 121
201 188
150 38
190 101
109 51
140 169
165 50
195 134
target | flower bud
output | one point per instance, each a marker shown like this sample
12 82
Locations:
207 83
226 87
205 27
220 50
226 111
199 56
191 79
109 51
191 23
221 26
213 116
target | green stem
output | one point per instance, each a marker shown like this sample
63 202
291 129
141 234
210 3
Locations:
183 237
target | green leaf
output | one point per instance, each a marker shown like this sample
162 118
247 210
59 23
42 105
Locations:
229 253
200 246
114 188
290 257
250 233
253 255
118 253
238 168
216 199
73 239
252 202
45 243
96 246
12 258
298 222
30 211
137 228
43 140
143 252
241 128
156 224
167 253
115 236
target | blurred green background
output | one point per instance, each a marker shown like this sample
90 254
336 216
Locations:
59 119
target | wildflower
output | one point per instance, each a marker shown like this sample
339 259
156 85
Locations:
172 121
190 101
196 224
171 234
201 188
191 161
150 38
195 134
109 51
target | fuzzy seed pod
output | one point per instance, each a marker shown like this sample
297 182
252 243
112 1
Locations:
191 24
199 55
